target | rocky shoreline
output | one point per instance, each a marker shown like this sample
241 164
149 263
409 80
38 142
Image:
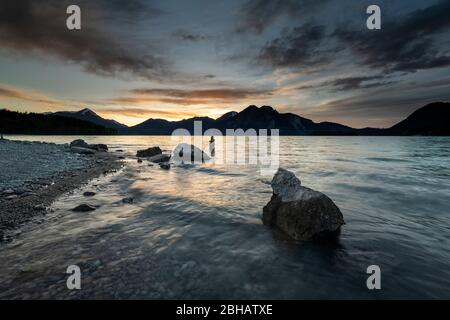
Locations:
23 199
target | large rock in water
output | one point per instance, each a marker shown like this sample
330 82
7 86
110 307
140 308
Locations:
188 153
300 212
150 152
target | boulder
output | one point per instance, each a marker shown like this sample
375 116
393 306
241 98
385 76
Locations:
81 150
89 194
188 153
98 147
160 158
79 143
150 152
300 212
84 208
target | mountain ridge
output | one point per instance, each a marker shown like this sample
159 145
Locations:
431 119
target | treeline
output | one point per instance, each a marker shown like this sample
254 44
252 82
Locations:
12 122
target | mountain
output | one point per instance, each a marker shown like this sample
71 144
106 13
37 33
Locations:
164 127
288 123
252 117
431 120
89 115
12 122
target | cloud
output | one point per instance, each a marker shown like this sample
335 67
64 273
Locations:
256 15
350 83
147 113
187 97
24 95
39 28
221 93
298 47
383 107
188 36
404 44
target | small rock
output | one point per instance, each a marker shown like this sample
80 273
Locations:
8 191
84 208
89 194
188 265
39 207
164 165
128 200
139 161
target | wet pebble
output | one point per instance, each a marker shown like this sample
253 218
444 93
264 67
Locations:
84 208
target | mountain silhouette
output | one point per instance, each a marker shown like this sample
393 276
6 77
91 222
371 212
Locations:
12 122
431 120
89 115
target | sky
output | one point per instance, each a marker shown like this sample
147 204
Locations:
139 59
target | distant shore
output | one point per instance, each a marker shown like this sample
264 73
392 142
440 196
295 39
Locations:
34 174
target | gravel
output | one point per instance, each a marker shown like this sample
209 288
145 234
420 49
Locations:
34 174
23 163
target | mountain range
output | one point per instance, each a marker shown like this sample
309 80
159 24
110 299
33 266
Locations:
432 119
90 116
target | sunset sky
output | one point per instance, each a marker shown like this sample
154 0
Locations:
135 60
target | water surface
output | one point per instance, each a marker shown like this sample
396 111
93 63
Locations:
196 232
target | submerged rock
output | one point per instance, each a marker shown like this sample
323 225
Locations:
160 158
300 212
188 153
150 152
164 165
128 200
84 208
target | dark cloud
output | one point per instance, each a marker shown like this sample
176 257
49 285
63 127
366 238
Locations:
351 83
406 43
259 14
39 28
188 36
220 94
296 47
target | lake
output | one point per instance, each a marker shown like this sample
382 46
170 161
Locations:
196 231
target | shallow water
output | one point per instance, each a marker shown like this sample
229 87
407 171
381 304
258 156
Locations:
196 232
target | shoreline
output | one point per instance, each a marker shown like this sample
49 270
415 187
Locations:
18 209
